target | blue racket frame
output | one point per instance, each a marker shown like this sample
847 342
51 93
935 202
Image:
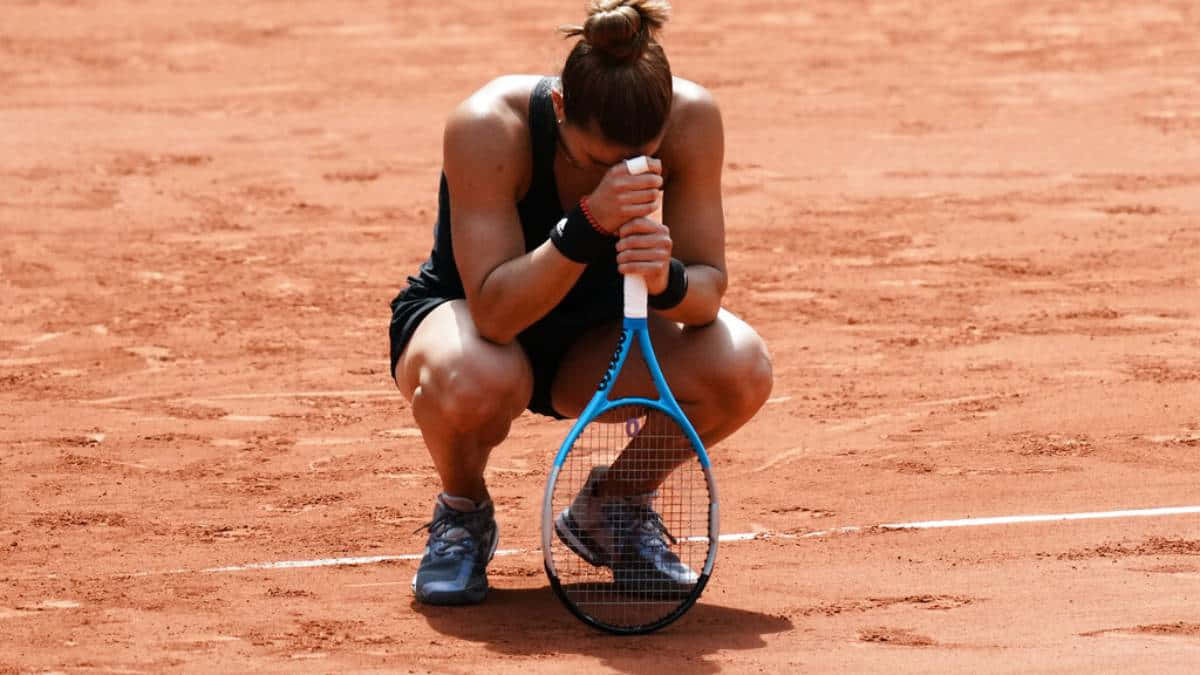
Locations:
633 329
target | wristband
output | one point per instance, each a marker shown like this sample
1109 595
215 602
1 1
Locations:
677 286
575 238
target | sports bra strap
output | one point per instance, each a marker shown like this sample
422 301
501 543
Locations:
542 134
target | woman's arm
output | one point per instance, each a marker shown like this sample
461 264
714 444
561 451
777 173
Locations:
486 161
692 203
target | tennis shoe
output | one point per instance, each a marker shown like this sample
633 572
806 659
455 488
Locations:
626 534
453 570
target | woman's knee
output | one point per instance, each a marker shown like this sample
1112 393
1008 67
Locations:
740 376
476 391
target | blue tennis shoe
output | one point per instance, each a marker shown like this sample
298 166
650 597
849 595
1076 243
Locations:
461 543
626 534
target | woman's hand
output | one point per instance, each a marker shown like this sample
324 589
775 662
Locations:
645 249
620 197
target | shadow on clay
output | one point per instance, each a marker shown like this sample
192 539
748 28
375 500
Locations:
531 621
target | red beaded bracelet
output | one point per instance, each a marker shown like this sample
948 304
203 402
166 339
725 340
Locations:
588 213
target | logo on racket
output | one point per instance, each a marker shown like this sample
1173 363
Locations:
632 426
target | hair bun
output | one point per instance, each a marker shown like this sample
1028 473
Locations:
621 29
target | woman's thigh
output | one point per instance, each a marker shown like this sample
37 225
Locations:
446 347
697 362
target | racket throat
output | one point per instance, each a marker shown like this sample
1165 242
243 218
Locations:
635 323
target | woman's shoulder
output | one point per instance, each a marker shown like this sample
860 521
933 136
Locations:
689 94
695 121
511 91
691 105
496 114
501 103
491 123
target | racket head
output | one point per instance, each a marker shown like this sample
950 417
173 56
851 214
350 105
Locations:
636 559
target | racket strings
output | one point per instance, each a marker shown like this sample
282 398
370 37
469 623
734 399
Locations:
652 525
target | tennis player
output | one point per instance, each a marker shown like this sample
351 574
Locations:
519 305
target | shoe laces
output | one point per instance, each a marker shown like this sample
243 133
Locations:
448 536
641 520
652 526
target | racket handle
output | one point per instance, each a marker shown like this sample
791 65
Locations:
635 296
635 285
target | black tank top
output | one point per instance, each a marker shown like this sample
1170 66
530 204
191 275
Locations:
596 296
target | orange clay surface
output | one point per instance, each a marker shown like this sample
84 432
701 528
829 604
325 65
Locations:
970 233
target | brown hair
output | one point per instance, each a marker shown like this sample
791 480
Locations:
617 73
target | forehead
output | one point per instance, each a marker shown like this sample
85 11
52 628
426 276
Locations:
612 152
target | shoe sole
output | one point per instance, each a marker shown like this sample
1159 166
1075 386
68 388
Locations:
653 592
641 582
581 544
470 596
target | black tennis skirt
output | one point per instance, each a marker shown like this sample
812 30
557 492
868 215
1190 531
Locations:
545 342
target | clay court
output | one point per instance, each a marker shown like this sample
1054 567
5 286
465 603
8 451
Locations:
969 233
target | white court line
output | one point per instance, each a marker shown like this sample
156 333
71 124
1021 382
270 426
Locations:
1014 520
330 562
1007 520
729 538
326 562
346 393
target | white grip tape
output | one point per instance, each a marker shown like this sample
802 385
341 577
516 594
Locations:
639 164
635 296
635 285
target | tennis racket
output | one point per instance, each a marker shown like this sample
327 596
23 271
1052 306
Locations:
629 521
